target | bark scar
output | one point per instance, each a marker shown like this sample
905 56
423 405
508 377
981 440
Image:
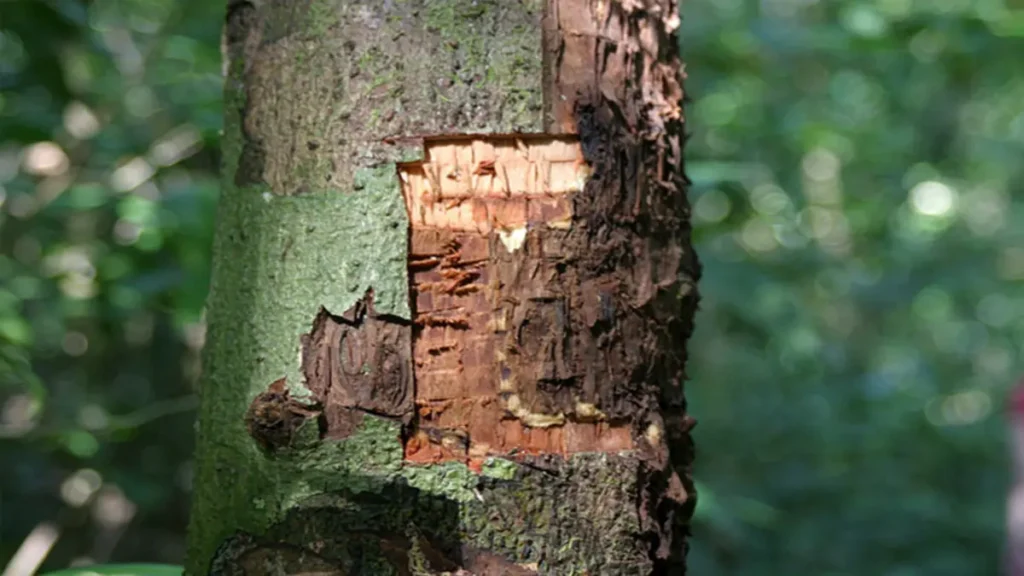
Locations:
505 324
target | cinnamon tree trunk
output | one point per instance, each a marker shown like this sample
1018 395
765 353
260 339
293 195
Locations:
453 285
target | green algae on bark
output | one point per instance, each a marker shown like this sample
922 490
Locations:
565 520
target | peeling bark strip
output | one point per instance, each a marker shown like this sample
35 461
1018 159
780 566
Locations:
358 363
621 53
354 364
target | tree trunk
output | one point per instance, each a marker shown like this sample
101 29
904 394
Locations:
452 288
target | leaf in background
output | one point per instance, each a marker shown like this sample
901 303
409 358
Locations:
121 570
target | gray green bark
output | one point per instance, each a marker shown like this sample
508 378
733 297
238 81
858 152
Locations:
322 99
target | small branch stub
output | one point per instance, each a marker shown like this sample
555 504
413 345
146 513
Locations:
274 417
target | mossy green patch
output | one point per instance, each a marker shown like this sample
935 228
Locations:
293 254
458 23
499 468
451 480
279 259
320 17
510 67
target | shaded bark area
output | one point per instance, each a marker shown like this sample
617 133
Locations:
573 516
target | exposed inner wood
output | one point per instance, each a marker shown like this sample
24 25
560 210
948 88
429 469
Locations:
487 218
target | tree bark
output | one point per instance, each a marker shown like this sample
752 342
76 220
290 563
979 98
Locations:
452 289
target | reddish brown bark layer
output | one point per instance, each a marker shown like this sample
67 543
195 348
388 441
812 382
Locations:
619 53
489 216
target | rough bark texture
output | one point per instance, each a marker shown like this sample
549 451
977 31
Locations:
451 295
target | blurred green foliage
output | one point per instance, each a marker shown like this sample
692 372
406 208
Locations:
109 127
856 174
121 570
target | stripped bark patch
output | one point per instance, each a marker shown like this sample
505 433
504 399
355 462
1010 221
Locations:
358 363
497 308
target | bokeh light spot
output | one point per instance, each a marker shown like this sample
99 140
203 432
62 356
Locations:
79 487
932 198
45 159
712 207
